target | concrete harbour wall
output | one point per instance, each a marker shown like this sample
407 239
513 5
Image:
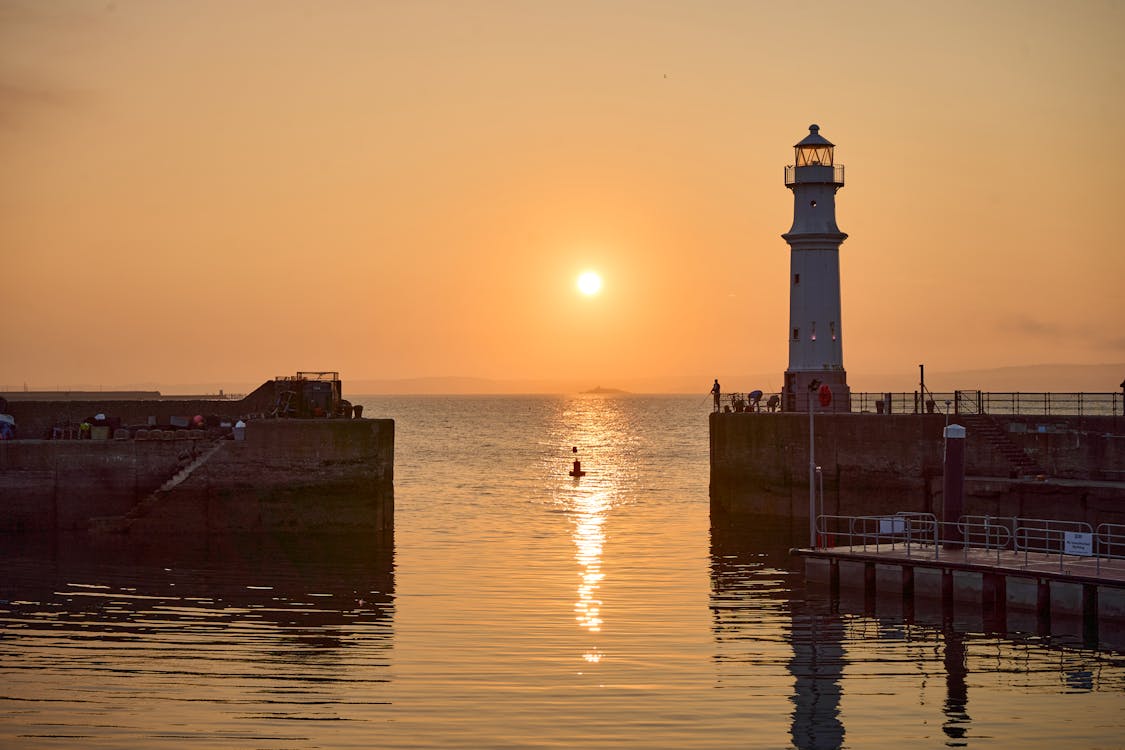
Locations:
874 464
327 474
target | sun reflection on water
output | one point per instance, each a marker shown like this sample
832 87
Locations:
600 431
589 537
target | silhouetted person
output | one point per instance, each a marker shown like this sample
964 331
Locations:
715 391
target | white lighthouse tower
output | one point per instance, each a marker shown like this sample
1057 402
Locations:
816 335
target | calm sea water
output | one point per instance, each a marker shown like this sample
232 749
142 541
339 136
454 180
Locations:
516 607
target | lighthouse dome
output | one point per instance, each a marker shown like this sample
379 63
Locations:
814 138
814 150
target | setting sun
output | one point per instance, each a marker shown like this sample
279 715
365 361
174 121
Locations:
589 283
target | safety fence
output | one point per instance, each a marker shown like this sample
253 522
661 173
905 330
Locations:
923 535
951 402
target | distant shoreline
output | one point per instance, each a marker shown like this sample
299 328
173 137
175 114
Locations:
1053 378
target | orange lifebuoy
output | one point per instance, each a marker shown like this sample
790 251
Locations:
825 394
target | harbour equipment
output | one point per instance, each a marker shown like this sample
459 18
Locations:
307 394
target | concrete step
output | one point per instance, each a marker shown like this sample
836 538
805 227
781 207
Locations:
186 472
1002 443
121 524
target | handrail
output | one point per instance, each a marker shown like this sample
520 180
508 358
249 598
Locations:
1006 403
1048 538
1109 542
909 529
923 534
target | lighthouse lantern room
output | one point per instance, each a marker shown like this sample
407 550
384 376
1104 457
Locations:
816 376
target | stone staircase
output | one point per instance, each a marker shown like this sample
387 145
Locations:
984 427
120 524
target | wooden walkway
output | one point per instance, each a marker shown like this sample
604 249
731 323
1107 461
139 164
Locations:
1031 564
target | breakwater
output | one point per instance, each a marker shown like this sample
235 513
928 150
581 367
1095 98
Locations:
315 475
1067 467
37 418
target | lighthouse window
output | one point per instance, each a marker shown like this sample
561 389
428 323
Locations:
812 203
796 334
832 327
796 281
814 156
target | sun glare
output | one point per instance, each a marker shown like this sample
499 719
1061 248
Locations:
589 283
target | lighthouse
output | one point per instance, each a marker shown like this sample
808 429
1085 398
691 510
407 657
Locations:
816 336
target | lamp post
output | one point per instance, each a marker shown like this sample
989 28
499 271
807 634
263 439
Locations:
813 385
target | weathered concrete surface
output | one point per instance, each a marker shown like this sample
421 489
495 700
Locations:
330 474
315 475
1111 602
968 586
60 484
852 574
759 462
1022 593
875 464
927 582
1066 598
888 578
818 570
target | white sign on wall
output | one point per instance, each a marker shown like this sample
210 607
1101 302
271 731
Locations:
892 525
1078 543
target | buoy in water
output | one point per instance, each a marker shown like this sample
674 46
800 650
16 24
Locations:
577 470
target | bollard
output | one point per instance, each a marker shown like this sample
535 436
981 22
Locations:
953 486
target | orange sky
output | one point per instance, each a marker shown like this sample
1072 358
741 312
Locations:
217 192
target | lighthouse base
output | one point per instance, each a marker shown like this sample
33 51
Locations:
796 395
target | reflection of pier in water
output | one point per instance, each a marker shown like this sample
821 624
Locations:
759 601
305 594
187 638
750 586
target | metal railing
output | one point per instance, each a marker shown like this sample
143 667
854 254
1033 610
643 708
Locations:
1008 403
917 533
1109 542
814 173
922 535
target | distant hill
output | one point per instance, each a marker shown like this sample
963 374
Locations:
1028 378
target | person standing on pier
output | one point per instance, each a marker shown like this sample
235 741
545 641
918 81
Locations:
715 391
